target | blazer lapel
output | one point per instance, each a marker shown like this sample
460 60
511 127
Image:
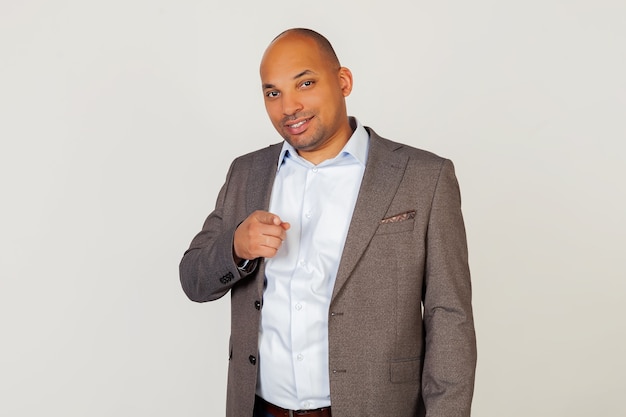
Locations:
258 193
262 174
382 176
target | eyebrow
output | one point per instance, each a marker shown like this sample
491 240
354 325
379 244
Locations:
303 73
300 75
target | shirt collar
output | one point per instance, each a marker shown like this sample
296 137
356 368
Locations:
357 146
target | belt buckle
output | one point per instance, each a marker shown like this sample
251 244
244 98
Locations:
290 413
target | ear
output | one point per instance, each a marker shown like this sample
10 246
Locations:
345 81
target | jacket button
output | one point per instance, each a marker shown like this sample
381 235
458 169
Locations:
252 360
257 305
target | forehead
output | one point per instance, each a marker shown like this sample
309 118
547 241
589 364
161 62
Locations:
291 55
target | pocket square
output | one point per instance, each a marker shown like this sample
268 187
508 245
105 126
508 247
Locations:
399 217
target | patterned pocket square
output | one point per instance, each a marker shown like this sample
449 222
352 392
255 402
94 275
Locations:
399 217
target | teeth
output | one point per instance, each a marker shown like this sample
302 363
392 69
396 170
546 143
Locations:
297 125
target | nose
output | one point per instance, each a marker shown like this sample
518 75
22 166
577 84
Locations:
291 104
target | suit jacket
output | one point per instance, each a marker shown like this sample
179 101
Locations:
400 332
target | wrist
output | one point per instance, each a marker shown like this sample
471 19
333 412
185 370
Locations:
246 265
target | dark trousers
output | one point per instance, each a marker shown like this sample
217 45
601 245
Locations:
258 410
262 409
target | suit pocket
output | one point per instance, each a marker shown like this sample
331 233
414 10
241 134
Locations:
405 370
396 227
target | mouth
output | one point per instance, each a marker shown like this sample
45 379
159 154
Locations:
299 126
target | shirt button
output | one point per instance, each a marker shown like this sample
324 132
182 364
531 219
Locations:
307 214
302 263
314 169
300 357
298 306
306 405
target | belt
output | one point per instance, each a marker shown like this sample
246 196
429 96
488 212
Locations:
277 411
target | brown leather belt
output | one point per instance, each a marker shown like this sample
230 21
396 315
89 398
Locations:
277 411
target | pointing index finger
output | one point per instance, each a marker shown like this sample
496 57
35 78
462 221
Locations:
269 218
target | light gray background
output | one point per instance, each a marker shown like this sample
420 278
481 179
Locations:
110 113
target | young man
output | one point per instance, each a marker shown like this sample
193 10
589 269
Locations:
345 256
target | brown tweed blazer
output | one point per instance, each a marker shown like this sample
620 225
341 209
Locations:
401 331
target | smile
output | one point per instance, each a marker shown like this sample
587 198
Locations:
299 124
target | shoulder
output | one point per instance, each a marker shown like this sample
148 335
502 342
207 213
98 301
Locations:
421 157
264 155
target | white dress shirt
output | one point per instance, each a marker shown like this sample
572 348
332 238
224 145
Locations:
318 201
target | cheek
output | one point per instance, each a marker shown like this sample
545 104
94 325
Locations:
324 103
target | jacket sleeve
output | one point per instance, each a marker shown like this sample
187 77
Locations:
207 269
450 354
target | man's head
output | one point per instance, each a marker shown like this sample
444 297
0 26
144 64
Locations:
305 89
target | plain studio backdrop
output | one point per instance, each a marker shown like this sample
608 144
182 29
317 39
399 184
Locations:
119 119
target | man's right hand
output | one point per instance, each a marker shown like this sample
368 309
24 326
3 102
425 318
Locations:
260 235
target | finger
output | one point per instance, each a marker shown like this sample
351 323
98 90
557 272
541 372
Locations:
274 231
272 242
267 218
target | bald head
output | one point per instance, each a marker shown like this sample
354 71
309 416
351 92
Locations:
324 46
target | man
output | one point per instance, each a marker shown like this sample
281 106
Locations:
345 257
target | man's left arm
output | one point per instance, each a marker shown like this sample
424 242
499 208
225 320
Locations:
450 355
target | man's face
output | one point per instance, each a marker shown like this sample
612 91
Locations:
305 95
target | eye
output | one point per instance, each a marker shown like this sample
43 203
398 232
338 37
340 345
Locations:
271 94
307 83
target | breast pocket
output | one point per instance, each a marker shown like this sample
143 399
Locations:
401 222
